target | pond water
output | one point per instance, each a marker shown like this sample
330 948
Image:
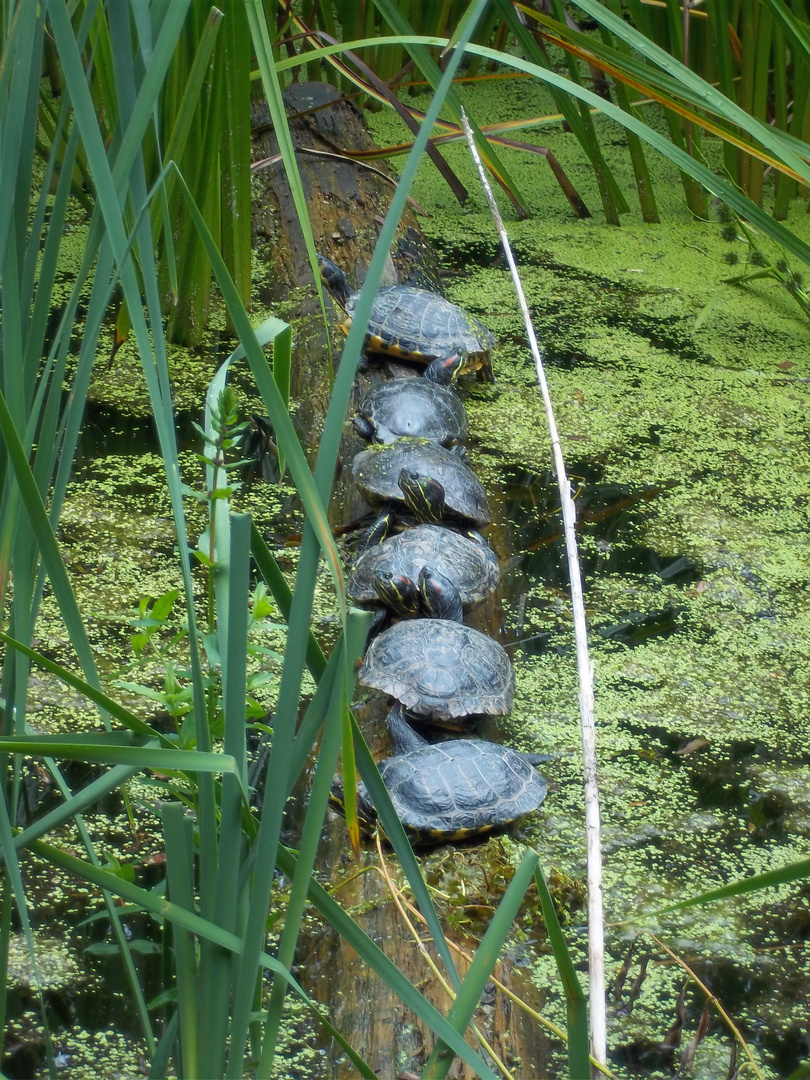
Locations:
684 410
685 432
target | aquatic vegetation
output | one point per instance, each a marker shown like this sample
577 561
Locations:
686 426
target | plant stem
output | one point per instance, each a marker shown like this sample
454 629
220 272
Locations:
596 931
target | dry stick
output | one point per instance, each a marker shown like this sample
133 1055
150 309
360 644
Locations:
596 931
712 1000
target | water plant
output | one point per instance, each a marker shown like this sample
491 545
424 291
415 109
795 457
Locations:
220 862
227 992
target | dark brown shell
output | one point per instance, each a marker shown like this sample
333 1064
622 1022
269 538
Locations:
420 325
441 670
458 788
414 406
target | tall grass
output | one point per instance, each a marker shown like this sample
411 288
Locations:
734 74
129 167
221 858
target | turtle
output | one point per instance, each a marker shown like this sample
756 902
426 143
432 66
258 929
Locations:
430 481
441 670
468 561
454 789
413 324
410 406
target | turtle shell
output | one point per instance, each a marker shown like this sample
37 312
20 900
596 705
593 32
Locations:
419 325
376 473
418 407
459 788
469 563
441 670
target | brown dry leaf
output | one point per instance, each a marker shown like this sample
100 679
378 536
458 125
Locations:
694 745
688 1055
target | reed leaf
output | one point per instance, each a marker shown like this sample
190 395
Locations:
715 185
349 650
397 837
712 99
576 1002
426 64
107 751
178 834
782 875
486 956
282 594
385 968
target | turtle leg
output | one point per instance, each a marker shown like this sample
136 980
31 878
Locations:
378 621
402 735
364 428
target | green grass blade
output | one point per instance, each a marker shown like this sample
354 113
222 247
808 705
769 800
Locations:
576 1002
216 971
277 411
426 64
378 793
318 708
159 1067
18 72
105 703
13 886
486 956
107 750
712 98
150 344
349 650
237 239
673 93
282 594
713 184
75 803
797 31
782 875
177 830
181 122
47 544
162 908
371 953
275 103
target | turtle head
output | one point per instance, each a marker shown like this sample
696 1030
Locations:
439 595
398 592
444 369
423 496
334 279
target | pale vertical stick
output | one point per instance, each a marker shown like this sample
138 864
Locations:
596 932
